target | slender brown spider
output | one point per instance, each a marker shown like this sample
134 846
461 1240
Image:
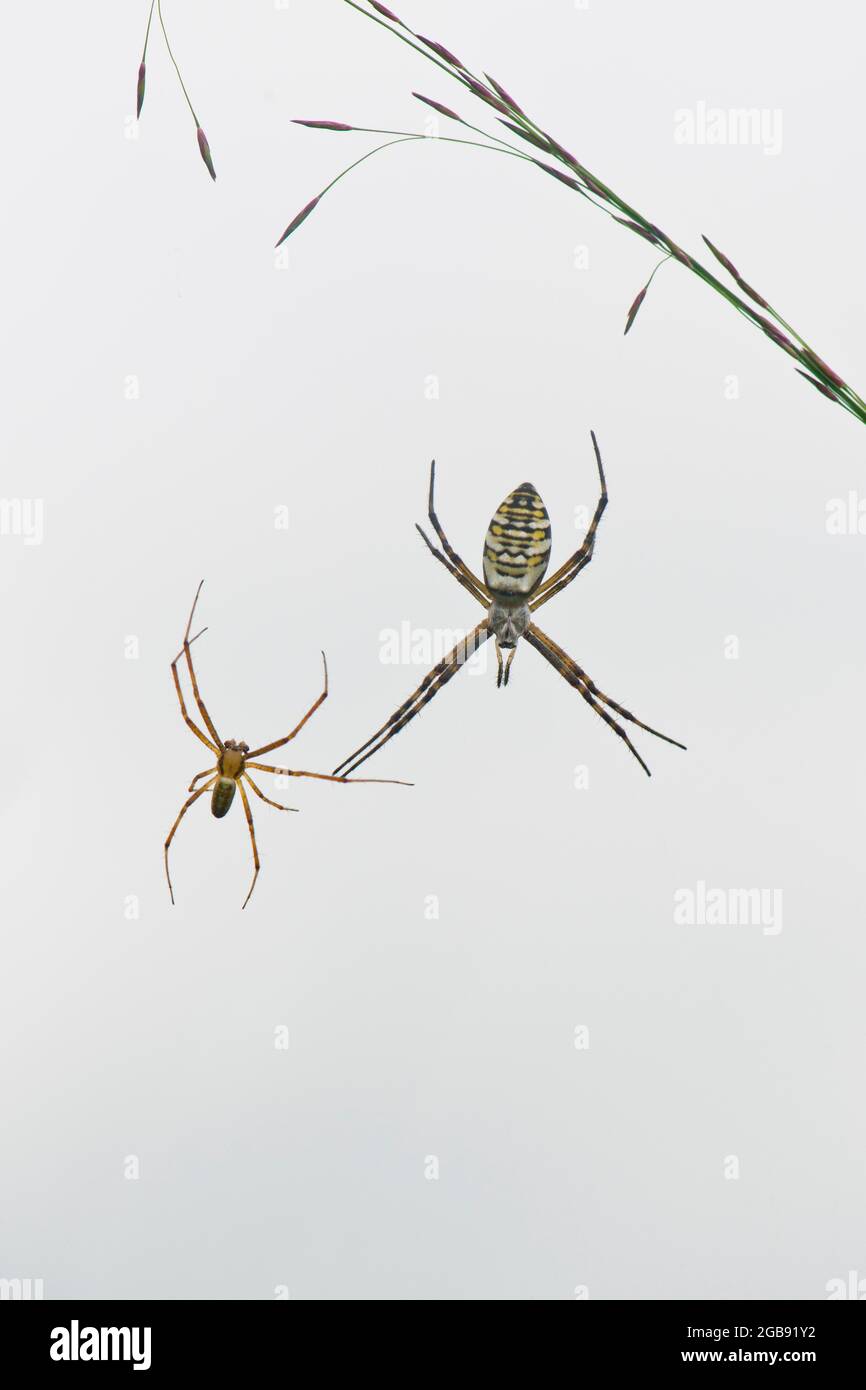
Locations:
516 555
234 759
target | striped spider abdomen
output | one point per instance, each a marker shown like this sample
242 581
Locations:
517 546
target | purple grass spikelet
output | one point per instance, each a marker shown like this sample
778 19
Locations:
721 258
485 95
636 227
529 135
388 14
441 52
204 147
822 365
437 106
501 92
818 385
301 217
735 274
558 174
323 125
632 313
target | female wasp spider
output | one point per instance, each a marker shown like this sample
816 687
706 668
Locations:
516 555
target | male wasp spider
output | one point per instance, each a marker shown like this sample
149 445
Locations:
234 759
516 555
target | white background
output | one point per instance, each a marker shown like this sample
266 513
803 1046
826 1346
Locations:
263 386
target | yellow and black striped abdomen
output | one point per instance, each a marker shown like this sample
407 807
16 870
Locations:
517 545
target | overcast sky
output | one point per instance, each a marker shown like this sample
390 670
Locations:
522 1059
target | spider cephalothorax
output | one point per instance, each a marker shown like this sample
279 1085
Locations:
231 765
516 556
508 622
234 759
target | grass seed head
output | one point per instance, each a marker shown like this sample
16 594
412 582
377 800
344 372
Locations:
494 95
139 94
558 174
301 217
721 258
562 152
735 274
529 135
501 92
204 147
641 231
753 294
441 52
437 106
591 184
820 363
632 313
324 125
484 95
388 14
775 335
818 385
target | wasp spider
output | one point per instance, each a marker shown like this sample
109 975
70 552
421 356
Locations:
516 555
235 759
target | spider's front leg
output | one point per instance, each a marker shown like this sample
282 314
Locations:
455 564
430 686
562 577
278 743
190 723
202 708
319 777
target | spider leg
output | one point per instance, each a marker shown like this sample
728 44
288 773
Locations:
452 569
190 722
269 747
430 686
597 694
183 810
209 772
249 815
446 545
536 640
259 792
202 709
582 556
324 777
